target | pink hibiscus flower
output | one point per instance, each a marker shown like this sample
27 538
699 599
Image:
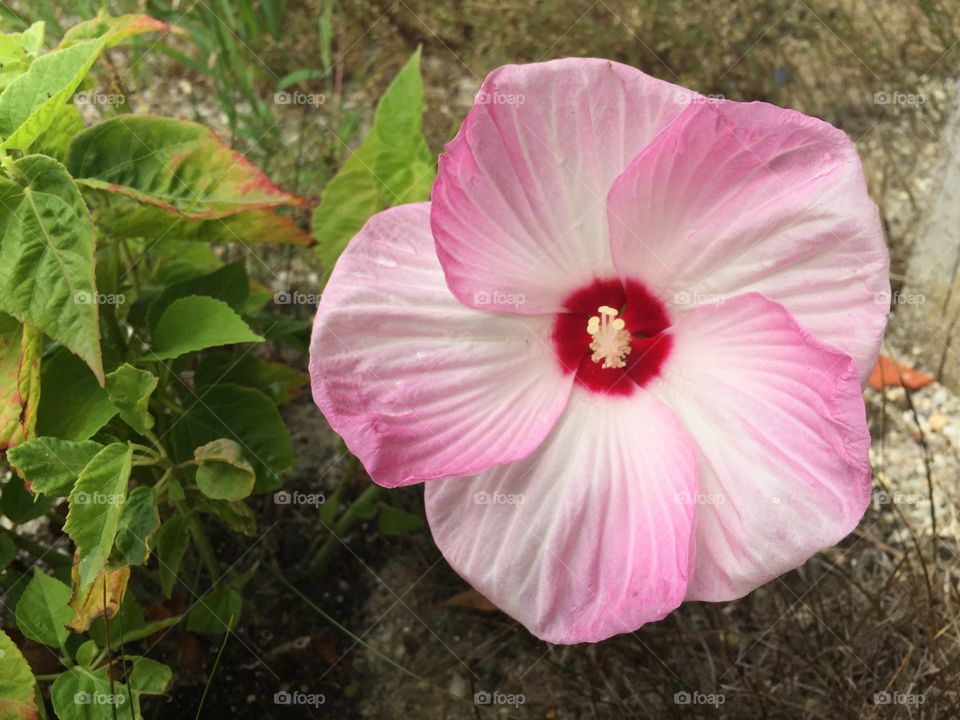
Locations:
623 345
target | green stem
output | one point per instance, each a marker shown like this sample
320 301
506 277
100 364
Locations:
205 549
341 527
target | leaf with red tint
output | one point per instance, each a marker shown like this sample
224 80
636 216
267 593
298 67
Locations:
115 29
180 167
889 373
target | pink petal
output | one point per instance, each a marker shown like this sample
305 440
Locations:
780 427
519 201
737 197
418 385
587 537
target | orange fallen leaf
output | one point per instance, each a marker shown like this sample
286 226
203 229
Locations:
470 599
890 373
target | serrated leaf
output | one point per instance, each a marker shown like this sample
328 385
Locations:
46 260
114 30
181 167
20 348
195 323
139 523
228 283
17 683
55 140
392 166
73 406
101 600
43 611
172 542
223 472
30 103
96 503
52 465
129 389
84 694
17 51
246 416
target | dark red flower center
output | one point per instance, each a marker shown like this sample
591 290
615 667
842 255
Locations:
613 336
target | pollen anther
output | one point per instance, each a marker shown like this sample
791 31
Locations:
611 342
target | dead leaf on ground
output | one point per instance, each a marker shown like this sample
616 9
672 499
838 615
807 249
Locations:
890 373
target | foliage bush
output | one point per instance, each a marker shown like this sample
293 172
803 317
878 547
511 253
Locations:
133 396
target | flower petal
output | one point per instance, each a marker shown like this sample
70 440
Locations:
737 197
780 427
587 537
418 385
519 201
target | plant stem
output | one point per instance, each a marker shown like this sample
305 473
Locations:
205 549
341 527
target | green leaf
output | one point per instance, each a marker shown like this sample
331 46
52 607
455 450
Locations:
228 283
299 76
216 612
150 628
20 348
124 218
149 677
17 683
84 694
87 653
46 260
366 509
223 473
399 114
196 323
95 506
392 166
55 140
129 389
393 521
32 101
73 406
176 261
139 523
172 543
114 30
237 516
246 416
281 383
181 167
51 465
19 505
43 612
17 51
